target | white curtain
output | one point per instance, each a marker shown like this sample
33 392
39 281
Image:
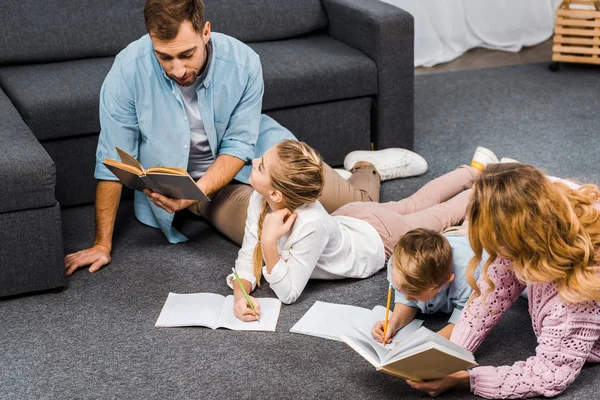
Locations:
445 29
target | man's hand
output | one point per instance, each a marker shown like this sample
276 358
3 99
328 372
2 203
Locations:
438 386
242 311
377 331
96 257
277 224
168 204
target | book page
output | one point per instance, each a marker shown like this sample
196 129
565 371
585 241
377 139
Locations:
375 346
362 347
130 179
194 309
378 314
128 159
330 320
424 336
167 170
269 315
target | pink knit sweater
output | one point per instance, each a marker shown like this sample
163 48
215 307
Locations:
567 335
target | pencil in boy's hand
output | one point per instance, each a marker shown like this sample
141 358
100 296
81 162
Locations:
387 314
237 278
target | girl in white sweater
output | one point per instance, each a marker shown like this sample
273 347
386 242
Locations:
290 238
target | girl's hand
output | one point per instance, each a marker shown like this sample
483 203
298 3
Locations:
377 331
277 224
439 386
242 311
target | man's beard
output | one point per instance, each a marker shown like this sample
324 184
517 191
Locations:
188 82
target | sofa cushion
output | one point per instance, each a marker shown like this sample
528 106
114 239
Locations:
27 173
313 69
262 20
58 30
57 99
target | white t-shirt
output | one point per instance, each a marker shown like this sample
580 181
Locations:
200 154
319 246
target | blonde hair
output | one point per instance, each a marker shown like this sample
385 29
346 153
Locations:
550 232
423 260
299 176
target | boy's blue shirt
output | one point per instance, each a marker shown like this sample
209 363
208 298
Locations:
142 112
453 297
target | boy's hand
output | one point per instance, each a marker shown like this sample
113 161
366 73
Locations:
377 331
243 312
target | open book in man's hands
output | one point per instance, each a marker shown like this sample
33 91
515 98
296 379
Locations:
175 183
422 356
214 311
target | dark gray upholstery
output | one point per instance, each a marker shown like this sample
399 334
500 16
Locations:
37 265
34 31
75 183
337 127
56 30
27 174
42 93
385 34
313 69
338 74
262 20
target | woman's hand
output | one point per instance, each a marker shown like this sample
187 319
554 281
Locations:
242 311
377 331
277 224
439 386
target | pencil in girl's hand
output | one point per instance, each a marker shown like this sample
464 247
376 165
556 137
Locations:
387 313
237 278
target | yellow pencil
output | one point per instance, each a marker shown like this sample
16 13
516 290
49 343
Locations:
237 278
387 313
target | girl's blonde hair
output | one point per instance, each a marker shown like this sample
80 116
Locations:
550 232
299 176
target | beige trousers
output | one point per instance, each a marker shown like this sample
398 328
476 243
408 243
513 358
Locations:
228 207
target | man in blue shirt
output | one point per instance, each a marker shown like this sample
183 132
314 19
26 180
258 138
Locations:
184 97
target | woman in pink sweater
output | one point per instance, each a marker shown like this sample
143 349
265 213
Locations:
545 236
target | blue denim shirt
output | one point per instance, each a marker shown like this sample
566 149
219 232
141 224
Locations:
142 112
453 296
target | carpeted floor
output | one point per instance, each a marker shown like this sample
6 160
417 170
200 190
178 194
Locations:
96 338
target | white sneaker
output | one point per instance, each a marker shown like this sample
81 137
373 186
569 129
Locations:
390 163
504 160
343 173
482 158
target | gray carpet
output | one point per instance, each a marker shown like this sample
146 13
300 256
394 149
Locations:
96 338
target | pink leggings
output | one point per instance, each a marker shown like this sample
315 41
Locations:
438 205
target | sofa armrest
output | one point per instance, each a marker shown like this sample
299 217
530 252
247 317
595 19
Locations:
386 34
27 173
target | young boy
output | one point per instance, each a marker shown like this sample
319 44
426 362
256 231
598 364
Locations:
428 273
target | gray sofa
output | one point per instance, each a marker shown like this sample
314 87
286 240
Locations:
338 73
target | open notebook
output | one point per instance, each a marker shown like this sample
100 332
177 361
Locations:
422 356
331 321
214 311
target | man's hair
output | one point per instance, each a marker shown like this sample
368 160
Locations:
423 261
163 17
